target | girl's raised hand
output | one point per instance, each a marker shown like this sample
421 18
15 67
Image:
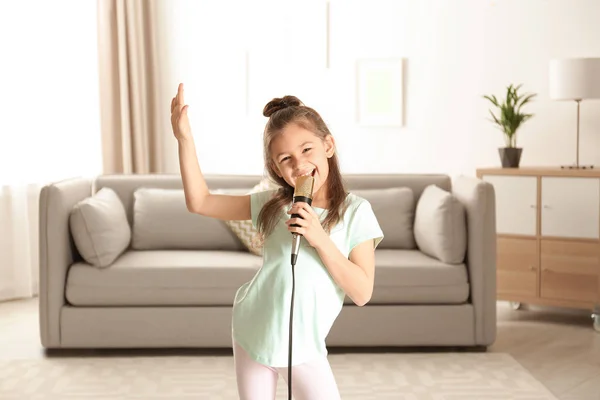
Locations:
180 122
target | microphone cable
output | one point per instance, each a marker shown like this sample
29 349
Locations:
291 328
302 192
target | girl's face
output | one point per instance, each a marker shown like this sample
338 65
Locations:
297 151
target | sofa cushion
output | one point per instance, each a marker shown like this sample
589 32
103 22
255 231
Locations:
99 228
441 226
161 221
411 277
395 211
163 278
211 278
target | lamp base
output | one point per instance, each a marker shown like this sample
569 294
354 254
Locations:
577 167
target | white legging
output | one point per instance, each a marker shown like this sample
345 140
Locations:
310 381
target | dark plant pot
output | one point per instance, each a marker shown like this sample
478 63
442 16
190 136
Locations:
510 156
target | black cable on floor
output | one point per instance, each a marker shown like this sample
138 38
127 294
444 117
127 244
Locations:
290 341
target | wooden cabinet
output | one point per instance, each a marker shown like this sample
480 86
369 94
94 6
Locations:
516 199
570 207
517 267
569 270
548 243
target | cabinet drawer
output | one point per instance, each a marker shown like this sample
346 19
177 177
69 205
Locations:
569 270
570 207
517 266
516 204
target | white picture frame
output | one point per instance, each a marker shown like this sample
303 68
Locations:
380 92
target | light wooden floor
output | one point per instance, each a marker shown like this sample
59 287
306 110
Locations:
558 347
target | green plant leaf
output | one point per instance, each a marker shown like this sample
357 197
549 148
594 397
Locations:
492 99
525 100
510 118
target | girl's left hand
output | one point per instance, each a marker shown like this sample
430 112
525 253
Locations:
310 224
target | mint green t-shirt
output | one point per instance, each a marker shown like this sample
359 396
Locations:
261 310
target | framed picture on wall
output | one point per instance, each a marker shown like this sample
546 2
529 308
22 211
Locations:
380 92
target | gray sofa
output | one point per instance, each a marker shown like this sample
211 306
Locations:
177 298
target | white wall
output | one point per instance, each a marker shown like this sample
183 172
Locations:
456 51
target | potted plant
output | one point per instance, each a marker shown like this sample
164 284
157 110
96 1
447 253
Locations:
509 120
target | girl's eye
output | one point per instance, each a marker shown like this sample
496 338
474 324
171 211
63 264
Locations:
284 159
307 149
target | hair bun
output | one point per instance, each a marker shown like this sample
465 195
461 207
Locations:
278 104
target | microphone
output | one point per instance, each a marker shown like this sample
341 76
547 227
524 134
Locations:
302 192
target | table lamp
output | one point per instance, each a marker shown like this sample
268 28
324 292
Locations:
575 79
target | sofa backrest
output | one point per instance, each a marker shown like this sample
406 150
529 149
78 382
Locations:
126 185
159 220
389 213
416 182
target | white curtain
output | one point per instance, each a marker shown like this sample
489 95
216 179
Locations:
135 113
49 120
18 241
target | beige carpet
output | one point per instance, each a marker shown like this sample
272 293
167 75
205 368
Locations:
413 376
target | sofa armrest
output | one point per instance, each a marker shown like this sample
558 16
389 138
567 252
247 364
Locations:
478 198
57 251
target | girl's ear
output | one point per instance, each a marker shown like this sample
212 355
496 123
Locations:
329 146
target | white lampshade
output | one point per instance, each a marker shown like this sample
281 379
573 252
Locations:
575 78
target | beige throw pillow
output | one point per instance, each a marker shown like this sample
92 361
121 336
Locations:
161 221
395 210
99 228
440 226
244 229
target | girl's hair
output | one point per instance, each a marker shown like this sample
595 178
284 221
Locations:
281 112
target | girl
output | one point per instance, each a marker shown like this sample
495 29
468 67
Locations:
340 233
